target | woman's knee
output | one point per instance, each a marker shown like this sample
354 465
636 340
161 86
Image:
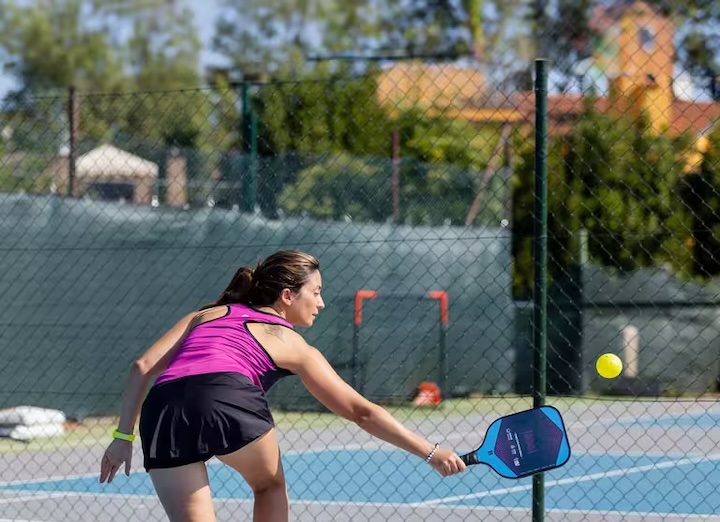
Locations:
271 481
184 492
270 485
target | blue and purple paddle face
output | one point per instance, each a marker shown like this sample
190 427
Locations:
523 443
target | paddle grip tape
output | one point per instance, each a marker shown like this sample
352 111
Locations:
470 458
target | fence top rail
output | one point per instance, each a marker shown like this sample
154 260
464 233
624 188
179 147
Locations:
640 303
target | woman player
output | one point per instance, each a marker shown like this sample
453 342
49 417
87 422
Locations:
212 371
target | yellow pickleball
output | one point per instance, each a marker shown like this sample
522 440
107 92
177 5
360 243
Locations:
608 365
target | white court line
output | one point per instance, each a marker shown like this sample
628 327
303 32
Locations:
573 480
43 495
213 461
464 436
627 418
400 505
436 503
349 447
657 418
21 482
19 520
468 435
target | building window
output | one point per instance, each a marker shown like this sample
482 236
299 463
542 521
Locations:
647 40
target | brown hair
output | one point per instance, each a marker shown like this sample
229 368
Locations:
262 286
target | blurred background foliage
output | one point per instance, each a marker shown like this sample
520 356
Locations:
324 140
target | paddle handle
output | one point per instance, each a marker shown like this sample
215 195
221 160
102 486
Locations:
470 458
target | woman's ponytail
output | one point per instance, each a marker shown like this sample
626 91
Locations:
238 291
263 285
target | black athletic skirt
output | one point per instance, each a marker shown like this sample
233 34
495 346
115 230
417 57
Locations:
192 419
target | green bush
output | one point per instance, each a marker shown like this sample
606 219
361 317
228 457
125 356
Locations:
613 178
701 195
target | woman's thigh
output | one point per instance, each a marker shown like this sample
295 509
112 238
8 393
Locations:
259 462
184 492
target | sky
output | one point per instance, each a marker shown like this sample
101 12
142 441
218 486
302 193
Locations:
206 11
5 85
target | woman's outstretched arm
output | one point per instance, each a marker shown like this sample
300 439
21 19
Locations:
332 391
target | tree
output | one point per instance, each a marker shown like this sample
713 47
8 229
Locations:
701 196
613 178
340 187
260 38
343 133
322 112
464 27
100 47
442 162
162 54
562 35
50 45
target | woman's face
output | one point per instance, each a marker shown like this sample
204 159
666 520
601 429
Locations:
307 303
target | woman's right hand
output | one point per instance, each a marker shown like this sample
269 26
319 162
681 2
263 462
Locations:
446 462
117 452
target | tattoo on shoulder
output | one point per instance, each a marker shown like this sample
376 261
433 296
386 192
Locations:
274 330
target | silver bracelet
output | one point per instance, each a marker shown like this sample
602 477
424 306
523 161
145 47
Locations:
432 452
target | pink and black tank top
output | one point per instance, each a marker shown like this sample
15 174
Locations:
226 345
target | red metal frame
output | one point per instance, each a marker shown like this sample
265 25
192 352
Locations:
360 296
442 296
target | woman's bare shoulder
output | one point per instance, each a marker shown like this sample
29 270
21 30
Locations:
277 333
283 344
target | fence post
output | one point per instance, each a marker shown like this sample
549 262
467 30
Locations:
74 124
249 149
540 265
442 297
395 153
360 296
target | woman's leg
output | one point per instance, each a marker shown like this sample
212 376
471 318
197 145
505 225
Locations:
260 465
184 493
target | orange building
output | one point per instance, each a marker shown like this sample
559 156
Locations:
635 54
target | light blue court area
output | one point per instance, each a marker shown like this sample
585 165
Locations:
702 420
588 482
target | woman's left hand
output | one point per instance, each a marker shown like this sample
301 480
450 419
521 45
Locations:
117 452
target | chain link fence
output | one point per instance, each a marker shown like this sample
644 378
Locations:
121 212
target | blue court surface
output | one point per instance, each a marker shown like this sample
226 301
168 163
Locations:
703 420
589 482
